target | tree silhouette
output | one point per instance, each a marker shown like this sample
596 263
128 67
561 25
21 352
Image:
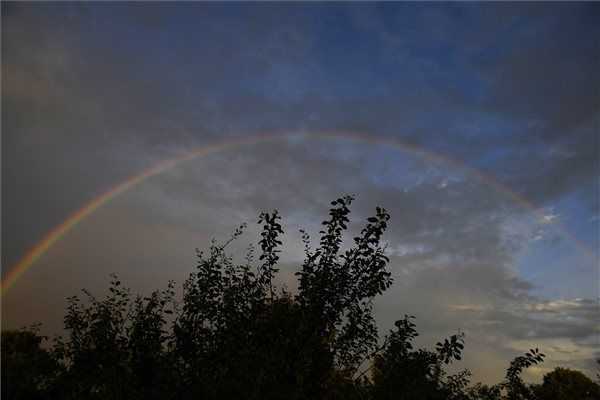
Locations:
234 334
27 369
566 384
516 389
403 372
115 346
240 337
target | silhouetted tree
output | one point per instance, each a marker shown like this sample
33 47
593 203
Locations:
403 372
28 370
115 346
515 387
566 384
235 335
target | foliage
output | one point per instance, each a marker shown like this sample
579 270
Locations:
237 337
516 389
115 345
566 384
403 372
27 368
234 334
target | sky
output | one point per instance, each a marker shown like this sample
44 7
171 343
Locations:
474 124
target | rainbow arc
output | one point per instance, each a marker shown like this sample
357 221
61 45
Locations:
57 233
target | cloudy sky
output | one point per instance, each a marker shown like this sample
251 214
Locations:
475 125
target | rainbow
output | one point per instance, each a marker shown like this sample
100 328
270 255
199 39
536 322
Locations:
38 250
